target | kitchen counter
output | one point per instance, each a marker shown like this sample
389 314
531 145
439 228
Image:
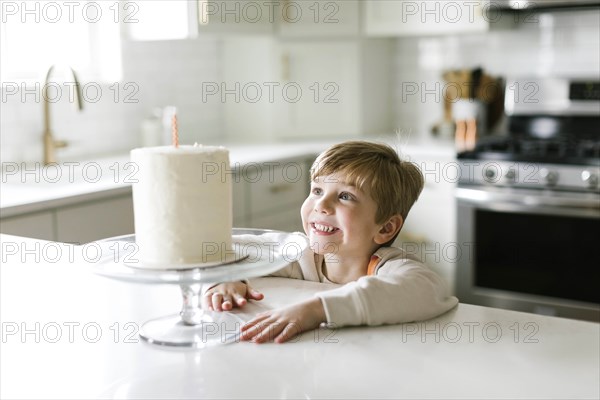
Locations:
33 188
68 333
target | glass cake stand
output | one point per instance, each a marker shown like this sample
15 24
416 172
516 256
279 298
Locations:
256 252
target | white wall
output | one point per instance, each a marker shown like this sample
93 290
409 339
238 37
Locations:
163 73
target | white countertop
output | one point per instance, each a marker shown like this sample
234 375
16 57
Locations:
470 352
34 188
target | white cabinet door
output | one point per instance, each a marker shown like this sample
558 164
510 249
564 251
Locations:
319 18
277 188
93 221
38 225
287 221
412 18
275 194
320 83
430 228
240 202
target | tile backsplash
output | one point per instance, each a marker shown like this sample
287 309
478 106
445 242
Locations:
564 44
162 73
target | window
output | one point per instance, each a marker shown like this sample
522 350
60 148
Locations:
82 34
158 19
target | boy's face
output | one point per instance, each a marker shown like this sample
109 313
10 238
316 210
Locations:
339 218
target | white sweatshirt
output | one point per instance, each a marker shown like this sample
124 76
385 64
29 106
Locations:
401 289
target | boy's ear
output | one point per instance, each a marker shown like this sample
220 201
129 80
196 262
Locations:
389 230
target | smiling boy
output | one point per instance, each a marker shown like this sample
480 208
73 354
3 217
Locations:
360 196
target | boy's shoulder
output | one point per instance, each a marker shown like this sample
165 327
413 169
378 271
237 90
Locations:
393 252
395 255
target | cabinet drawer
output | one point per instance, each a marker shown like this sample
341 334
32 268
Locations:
239 200
277 188
38 226
287 221
94 221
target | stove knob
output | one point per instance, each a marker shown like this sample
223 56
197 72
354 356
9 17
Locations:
510 175
550 177
590 179
489 174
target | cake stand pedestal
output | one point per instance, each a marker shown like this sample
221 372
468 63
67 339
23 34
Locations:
256 253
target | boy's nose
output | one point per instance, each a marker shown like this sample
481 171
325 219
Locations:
323 206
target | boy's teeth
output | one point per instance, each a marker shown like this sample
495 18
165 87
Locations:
324 228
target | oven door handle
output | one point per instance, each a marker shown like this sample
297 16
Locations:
583 204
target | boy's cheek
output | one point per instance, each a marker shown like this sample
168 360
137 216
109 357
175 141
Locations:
304 212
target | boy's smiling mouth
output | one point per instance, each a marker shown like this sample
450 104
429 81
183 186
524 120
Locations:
323 229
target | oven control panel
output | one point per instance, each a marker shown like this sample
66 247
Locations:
529 175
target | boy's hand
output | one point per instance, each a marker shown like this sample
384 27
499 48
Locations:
283 324
225 296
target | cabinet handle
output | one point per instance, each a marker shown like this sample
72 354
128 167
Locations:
283 187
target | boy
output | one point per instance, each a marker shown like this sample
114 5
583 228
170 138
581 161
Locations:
361 193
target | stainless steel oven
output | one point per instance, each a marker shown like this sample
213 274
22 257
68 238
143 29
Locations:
529 209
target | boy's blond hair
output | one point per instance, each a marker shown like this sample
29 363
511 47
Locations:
394 184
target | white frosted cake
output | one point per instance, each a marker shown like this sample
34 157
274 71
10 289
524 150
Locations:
182 205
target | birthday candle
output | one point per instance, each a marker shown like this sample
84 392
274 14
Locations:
174 131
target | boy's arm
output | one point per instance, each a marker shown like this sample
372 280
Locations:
402 291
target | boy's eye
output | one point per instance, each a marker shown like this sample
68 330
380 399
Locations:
346 196
317 191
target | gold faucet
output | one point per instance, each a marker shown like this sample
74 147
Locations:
51 144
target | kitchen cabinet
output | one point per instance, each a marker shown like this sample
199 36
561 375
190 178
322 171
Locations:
322 94
318 18
274 193
284 220
286 18
95 220
304 89
36 225
412 18
429 231
334 88
240 211
76 223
